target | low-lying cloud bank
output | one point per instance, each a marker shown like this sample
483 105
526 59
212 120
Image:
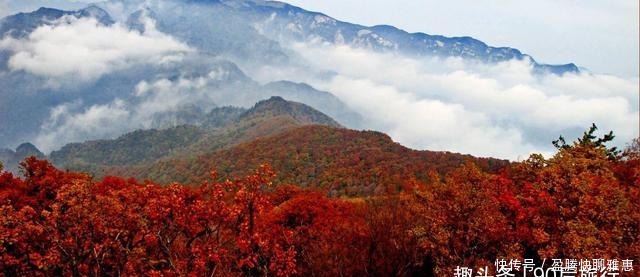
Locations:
82 49
153 104
500 110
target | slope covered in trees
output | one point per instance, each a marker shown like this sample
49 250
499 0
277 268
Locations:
132 148
580 204
220 128
342 161
308 148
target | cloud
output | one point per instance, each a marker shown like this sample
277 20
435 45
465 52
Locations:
149 104
64 125
427 123
83 50
599 35
501 110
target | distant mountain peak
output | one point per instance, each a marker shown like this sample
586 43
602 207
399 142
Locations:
289 84
272 99
22 24
293 23
28 149
270 103
277 106
11 159
45 10
95 12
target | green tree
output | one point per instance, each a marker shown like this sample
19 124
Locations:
590 139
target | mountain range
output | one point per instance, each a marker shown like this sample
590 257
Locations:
221 127
306 146
256 138
228 36
227 41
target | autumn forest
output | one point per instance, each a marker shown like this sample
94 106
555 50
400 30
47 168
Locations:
335 138
584 202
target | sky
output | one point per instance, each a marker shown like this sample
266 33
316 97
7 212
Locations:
601 36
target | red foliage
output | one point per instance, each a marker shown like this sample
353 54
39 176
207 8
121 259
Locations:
577 204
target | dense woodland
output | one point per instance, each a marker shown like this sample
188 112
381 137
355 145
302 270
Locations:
304 146
584 202
339 160
190 169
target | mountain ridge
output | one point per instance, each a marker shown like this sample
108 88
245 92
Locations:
234 125
307 146
387 37
21 24
309 23
338 160
224 33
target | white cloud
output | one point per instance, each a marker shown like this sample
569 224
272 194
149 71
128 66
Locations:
93 123
501 110
71 122
599 35
82 49
426 123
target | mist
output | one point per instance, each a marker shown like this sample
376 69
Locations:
82 49
501 110
123 77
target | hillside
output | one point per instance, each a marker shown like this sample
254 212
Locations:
306 146
255 138
62 223
227 47
342 161
221 127
132 148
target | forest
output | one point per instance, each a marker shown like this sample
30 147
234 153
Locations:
319 138
582 203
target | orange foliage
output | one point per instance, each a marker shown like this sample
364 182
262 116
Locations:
342 161
578 204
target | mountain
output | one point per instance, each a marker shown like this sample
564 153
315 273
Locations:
258 29
339 160
11 159
265 118
219 128
278 107
304 145
22 24
282 22
230 42
131 148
